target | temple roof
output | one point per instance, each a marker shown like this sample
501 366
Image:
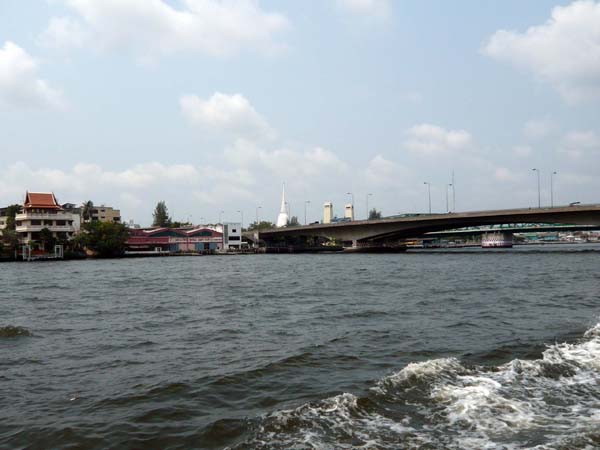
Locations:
45 200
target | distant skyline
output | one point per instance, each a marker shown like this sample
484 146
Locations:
211 105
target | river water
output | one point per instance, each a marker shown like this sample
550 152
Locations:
455 349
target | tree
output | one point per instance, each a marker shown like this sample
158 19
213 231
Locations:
293 222
262 225
86 210
161 215
47 240
374 214
9 242
11 213
106 239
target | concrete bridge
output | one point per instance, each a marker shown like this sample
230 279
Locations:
377 232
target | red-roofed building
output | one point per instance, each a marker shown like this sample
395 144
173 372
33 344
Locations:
173 240
42 210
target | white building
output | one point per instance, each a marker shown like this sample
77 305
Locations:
327 212
349 211
282 218
41 210
232 235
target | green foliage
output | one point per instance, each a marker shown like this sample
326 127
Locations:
86 210
161 215
178 224
293 222
374 214
262 225
106 239
47 240
9 242
11 212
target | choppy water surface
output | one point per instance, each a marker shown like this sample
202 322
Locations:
429 350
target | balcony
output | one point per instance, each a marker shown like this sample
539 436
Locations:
44 216
37 228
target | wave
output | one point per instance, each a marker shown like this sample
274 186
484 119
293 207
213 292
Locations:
12 331
548 403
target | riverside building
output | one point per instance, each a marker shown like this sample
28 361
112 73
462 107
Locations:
105 214
42 210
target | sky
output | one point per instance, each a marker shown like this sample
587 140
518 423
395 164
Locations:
212 105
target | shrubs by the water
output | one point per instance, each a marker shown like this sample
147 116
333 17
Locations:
104 239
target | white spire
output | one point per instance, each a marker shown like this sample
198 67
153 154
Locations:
282 218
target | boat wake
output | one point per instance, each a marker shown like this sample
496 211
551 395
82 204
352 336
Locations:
548 403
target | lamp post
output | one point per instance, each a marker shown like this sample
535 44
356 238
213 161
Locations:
428 193
538 187
453 193
448 186
306 202
257 208
368 195
552 189
242 214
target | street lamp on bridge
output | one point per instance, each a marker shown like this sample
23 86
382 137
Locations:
448 186
368 195
552 188
428 193
257 208
306 202
538 186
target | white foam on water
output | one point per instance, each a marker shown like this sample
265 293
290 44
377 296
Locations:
337 422
552 402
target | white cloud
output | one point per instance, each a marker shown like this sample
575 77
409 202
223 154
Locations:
522 151
565 51
579 143
19 82
151 28
381 171
504 174
429 139
372 8
229 114
299 165
64 32
538 129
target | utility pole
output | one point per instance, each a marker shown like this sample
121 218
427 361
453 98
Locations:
447 204
306 202
552 189
257 208
453 193
538 186
428 193
368 195
242 214
221 216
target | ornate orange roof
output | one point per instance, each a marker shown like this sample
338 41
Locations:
45 200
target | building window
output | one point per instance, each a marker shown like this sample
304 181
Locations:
36 222
234 238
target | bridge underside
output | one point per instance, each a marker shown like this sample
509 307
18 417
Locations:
378 232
